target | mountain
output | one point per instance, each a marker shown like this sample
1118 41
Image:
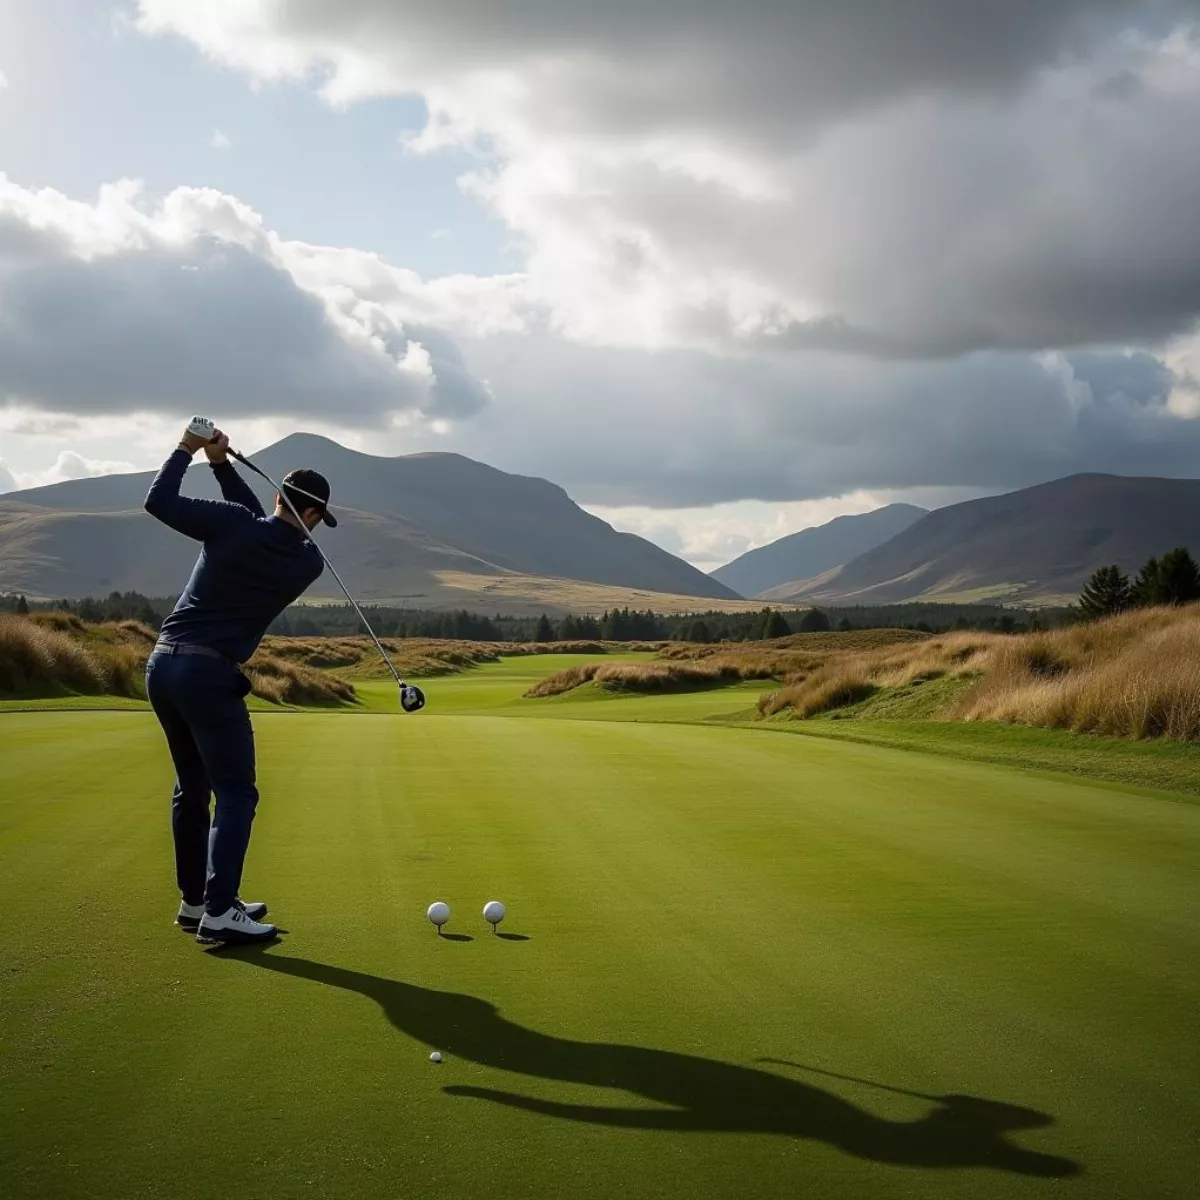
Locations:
426 529
814 551
1036 545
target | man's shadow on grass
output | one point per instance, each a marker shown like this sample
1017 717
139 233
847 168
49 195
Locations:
697 1095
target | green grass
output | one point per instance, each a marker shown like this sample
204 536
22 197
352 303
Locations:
1016 953
1160 765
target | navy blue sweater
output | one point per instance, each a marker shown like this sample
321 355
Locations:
250 569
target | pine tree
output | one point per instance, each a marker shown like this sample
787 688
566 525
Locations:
544 632
774 625
1178 577
22 606
1145 589
1105 594
814 621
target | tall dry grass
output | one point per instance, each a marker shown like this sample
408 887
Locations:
1136 675
682 665
38 659
282 682
845 677
655 676
424 657
55 653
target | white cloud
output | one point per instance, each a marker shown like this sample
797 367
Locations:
872 178
712 536
68 465
635 429
3 81
219 140
123 304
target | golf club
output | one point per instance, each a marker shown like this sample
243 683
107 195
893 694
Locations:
412 699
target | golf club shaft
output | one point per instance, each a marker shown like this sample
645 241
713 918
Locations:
333 570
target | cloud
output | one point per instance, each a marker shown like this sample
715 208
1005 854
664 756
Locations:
625 428
3 82
777 254
122 305
219 140
898 181
712 536
68 465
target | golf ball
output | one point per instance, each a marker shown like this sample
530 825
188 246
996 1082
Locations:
439 913
493 911
435 1057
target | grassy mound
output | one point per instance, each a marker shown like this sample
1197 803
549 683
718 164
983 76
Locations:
1131 676
424 657
684 665
644 676
57 654
53 653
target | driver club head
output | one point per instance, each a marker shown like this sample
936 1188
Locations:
412 699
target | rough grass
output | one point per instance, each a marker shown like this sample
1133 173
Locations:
1131 676
651 676
682 665
1135 675
424 657
36 657
810 643
55 654
283 682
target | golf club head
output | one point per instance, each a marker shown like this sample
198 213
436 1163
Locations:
412 699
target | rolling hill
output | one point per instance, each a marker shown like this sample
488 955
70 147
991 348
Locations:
814 551
1036 545
430 530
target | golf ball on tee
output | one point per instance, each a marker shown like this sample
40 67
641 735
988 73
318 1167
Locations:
439 913
435 1057
493 911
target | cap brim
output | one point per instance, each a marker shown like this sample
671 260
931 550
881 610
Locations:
329 519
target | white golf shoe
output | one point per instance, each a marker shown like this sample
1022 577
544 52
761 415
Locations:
233 926
189 915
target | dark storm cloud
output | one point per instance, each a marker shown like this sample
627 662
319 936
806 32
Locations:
673 430
776 64
905 178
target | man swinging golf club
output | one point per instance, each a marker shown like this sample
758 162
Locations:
251 567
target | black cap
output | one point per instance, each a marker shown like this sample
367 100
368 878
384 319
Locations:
309 489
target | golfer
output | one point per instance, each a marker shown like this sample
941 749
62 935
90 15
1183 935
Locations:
251 567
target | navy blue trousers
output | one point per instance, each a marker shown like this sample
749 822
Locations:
200 703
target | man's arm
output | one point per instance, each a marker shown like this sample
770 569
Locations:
199 519
233 487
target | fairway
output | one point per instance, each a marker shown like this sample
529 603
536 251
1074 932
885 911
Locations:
736 964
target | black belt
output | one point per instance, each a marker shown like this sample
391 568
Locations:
179 648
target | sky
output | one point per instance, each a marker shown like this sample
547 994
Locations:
721 271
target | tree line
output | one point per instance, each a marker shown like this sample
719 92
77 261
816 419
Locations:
1173 579
615 625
